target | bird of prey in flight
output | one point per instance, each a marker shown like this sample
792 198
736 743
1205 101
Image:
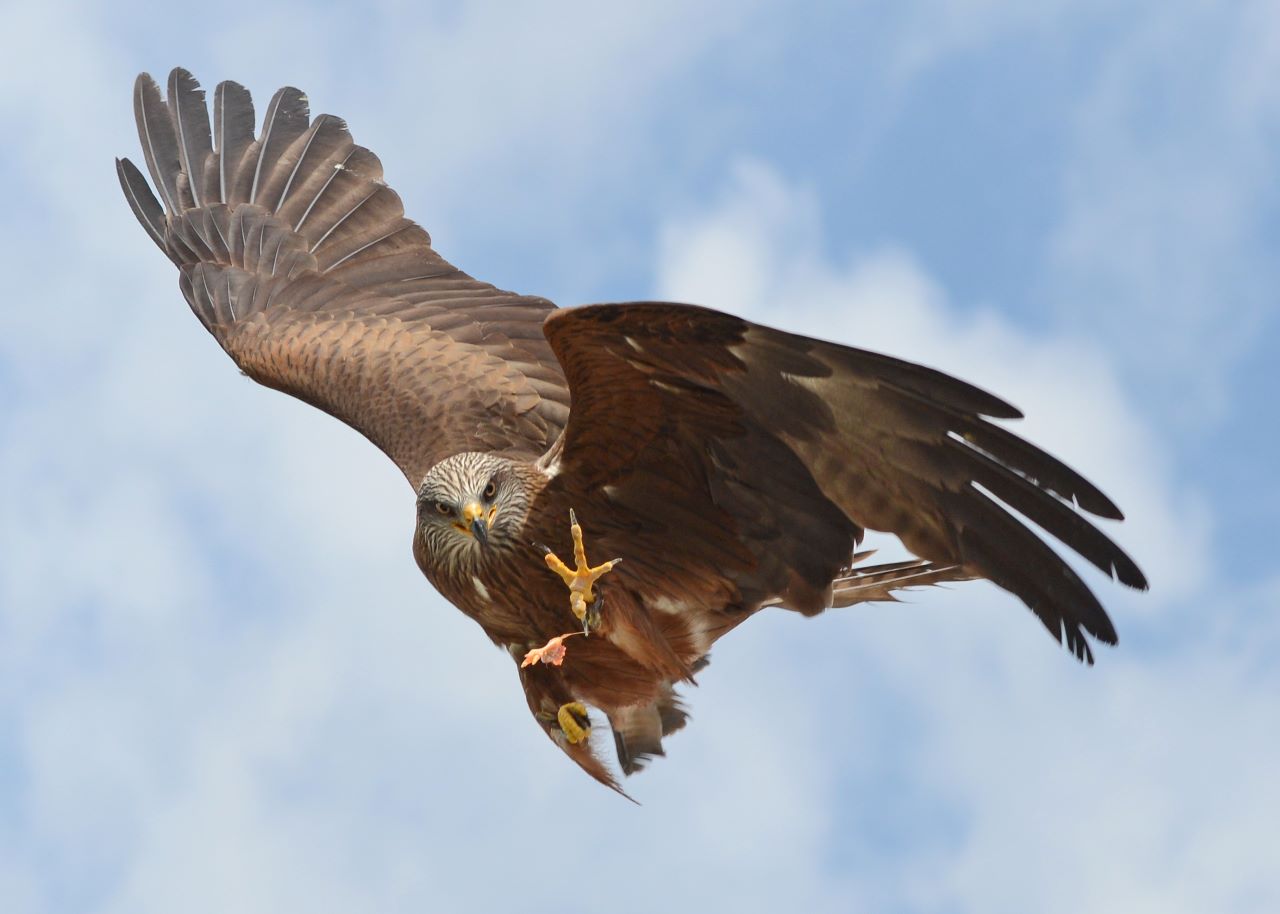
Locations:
729 466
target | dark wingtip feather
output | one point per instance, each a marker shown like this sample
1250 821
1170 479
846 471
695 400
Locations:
191 120
936 386
233 122
287 117
1076 642
1007 553
1129 574
1053 514
144 82
1092 499
1048 471
142 201
159 143
988 404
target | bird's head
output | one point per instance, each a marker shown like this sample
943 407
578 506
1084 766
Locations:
469 503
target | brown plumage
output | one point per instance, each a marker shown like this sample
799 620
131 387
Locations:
733 466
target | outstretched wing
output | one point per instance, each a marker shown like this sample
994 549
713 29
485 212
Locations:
298 259
746 459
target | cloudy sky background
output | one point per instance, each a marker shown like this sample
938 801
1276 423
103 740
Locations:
224 685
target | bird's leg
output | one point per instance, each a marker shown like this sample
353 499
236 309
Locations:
592 618
583 600
574 722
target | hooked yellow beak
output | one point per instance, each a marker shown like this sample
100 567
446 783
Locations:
473 515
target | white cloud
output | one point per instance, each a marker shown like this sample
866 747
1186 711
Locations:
1171 172
936 30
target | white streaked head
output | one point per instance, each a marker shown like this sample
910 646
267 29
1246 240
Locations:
468 504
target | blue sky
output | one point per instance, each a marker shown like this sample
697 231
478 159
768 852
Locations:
225 686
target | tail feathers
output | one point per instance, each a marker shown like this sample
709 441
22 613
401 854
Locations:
637 736
875 583
638 731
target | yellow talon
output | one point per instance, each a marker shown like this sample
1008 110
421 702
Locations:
579 580
573 721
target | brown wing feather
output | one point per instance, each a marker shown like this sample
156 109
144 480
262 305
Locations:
790 446
297 257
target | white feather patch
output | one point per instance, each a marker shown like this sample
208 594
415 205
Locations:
664 604
699 628
663 385
551 467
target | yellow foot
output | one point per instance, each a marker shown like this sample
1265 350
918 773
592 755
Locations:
574 722
581 579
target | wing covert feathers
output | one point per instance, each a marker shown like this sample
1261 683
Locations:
297 257
852 439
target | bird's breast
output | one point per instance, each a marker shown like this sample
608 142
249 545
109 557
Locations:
514 597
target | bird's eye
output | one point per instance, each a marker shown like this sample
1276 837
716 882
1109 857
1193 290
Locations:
491 489
443 508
